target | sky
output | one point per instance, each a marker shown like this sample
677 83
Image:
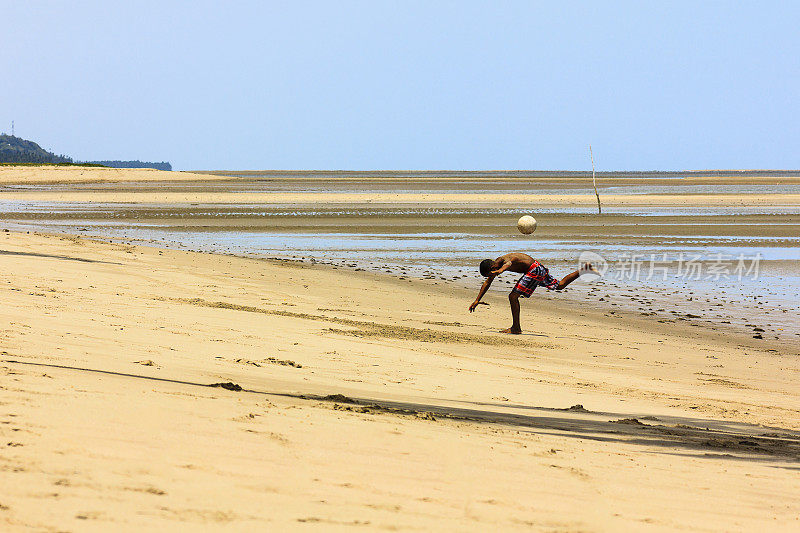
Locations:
406 84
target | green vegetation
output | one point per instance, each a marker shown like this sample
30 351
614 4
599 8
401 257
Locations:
163 165
17 150
51 165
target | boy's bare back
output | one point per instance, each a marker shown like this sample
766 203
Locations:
520 262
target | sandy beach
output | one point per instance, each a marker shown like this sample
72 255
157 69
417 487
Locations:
148 387
44 174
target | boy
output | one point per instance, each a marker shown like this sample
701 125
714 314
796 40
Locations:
533 273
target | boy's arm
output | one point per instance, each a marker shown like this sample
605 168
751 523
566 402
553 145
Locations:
505 266
484 288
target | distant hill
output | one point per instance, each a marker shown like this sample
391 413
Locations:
163 165
17 150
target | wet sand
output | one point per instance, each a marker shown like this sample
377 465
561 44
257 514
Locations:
360 399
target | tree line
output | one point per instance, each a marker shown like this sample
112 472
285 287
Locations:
162 165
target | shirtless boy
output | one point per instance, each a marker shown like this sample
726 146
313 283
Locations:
533 273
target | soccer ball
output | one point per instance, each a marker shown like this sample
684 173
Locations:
526 224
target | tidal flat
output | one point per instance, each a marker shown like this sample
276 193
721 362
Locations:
721 251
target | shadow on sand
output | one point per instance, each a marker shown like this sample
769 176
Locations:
697 437
61 257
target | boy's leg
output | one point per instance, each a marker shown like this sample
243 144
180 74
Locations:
572 276
515 328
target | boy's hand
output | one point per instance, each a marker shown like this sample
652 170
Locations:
476 304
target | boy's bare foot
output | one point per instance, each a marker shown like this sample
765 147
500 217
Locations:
511 331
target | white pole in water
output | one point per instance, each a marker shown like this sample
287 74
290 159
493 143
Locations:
594 182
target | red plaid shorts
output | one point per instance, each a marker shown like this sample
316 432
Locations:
536 275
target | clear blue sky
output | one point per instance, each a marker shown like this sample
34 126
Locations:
407 85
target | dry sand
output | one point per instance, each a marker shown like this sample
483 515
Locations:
41 174
108 422
367 402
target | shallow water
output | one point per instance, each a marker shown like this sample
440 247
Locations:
666 262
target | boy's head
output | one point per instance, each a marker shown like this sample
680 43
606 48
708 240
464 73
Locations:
486 267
